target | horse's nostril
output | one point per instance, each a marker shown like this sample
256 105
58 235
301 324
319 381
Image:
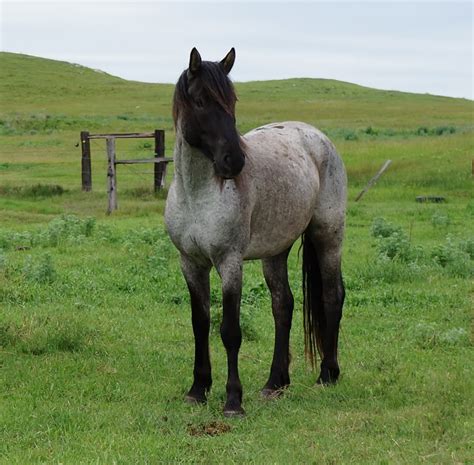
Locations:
227 159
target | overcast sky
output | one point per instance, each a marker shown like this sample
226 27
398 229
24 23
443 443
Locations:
418 47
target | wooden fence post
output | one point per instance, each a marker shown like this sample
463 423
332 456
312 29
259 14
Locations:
111 175
160 168
86 162
373 180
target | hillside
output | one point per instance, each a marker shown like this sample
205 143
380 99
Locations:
36 86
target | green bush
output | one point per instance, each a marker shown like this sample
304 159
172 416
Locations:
371 131
428 335
441 130
440 220
398 246
422 131
41 271
455 257
351 135
393 242
383 228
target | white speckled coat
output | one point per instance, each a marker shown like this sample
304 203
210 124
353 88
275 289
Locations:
292 175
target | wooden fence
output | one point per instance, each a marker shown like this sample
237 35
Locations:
159 160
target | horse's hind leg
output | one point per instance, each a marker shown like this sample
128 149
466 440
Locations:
326 244
197 279
276 275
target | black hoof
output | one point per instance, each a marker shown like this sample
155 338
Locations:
234 413
194 399
270 394
328 376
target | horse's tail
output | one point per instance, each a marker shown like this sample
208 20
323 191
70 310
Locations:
313 310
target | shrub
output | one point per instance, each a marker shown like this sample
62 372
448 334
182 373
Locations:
467 246
383 228
441 130
428 335
398 246
66 227
371 131
393 243
41 271
440 220
351 135
455 257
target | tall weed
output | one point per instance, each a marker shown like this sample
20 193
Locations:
455 256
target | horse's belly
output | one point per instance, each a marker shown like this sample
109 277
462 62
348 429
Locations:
286 185
275 225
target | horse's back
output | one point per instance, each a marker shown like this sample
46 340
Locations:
288 165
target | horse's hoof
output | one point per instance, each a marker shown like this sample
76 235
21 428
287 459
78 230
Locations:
328 376
270 394
235 413
192 400
320 382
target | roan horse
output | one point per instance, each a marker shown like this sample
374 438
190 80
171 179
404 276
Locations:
236 198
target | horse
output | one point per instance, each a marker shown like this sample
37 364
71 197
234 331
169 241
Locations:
236 198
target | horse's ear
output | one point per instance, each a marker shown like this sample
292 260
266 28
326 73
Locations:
228 61
194 61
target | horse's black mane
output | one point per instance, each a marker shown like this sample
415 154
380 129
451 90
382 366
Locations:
216 84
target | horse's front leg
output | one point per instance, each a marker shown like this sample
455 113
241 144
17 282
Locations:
197 279
230 271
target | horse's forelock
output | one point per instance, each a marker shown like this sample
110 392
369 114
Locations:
216 84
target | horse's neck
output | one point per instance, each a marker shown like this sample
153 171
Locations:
193 170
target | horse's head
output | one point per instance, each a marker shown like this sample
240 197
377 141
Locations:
204 105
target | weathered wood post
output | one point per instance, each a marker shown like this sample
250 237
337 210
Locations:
160 168
111 175
373 180
86 162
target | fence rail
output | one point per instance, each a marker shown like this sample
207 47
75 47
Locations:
159 160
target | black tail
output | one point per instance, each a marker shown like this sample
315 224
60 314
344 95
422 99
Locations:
313 310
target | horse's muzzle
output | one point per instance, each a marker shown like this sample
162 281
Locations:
229 166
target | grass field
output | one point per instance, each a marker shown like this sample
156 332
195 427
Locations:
95 334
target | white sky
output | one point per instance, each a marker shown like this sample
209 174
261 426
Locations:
418 47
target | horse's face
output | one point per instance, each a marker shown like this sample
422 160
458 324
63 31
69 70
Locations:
208 121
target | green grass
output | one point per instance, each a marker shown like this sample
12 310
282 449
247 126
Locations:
95 333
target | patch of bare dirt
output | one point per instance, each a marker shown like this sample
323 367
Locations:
214 428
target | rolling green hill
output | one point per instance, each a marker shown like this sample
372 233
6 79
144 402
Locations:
31 86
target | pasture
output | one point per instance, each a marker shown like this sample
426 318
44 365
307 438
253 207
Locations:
96 343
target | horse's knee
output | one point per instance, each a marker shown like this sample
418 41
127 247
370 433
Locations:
231 334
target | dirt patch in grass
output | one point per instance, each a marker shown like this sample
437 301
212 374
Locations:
214 428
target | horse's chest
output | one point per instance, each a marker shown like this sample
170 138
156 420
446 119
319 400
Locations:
196 234
202 228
